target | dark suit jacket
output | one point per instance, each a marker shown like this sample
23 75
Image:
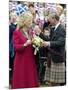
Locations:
12 28
57 44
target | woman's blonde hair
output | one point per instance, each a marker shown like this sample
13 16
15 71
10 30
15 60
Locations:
23 17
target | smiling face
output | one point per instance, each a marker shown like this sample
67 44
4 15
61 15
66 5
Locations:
32 9
28 21
59 9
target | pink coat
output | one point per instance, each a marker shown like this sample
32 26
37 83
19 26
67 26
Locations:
25 71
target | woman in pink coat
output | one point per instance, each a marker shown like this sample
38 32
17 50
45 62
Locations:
25 71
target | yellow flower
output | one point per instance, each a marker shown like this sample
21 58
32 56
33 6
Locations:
37 41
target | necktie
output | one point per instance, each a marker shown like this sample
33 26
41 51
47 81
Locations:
52 32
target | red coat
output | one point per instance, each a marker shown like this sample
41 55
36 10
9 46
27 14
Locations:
25 71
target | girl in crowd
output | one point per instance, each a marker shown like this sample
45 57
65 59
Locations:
60 12
41 56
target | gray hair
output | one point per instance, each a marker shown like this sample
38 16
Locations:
54 16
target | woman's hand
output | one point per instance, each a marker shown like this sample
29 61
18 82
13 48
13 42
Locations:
28 42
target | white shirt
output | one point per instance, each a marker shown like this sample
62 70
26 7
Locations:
57 26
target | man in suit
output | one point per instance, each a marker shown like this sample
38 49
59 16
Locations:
57 40
12 28
56 47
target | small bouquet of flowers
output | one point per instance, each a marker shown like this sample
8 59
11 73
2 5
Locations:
37 41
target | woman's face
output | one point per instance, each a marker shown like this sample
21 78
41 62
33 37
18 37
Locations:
32 10
59 11
28 22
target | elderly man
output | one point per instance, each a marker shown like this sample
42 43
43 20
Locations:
56 73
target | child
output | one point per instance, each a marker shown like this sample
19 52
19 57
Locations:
42 54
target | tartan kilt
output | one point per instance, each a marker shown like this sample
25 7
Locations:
56 73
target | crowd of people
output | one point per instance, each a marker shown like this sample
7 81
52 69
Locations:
32 64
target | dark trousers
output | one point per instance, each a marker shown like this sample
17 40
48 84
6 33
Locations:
41 70
11 61
40 67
